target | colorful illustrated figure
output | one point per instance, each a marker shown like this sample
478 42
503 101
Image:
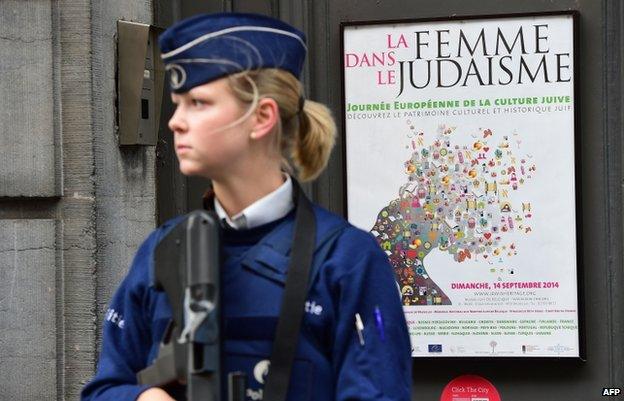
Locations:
456 199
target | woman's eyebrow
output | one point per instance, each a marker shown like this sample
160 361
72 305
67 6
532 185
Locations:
196 92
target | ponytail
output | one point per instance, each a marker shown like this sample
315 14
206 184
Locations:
314 140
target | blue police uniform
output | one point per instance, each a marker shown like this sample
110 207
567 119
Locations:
350 274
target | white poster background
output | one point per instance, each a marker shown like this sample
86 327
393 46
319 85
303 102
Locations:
536 322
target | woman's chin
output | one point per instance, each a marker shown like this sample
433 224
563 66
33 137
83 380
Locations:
189 168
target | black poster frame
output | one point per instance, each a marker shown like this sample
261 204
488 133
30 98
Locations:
577 157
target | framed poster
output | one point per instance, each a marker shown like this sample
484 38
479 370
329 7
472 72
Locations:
461 159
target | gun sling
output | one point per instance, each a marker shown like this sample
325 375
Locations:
293 300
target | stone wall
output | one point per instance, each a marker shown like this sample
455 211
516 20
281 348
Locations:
74 206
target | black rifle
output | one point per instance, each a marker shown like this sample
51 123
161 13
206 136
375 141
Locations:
186 267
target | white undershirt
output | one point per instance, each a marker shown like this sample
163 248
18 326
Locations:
270 207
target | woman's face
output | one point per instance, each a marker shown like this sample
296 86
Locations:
207 137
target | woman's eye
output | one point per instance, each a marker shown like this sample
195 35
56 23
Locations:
197 102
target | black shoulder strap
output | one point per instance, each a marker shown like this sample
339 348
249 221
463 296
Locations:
293 301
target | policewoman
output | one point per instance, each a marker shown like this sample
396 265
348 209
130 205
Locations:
241 120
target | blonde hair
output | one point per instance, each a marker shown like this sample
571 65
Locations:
304 136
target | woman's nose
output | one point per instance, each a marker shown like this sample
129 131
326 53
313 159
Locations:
177 122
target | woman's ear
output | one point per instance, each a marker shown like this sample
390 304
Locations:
266 117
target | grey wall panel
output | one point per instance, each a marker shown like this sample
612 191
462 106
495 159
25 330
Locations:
76 210
171 185
324 64
124 177
266 7
27 310
188 8
27 129
613 50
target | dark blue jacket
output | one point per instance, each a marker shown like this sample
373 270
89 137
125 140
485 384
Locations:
351 274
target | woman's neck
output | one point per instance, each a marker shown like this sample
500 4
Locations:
235 193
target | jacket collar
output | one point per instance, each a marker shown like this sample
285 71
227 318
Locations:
270 207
